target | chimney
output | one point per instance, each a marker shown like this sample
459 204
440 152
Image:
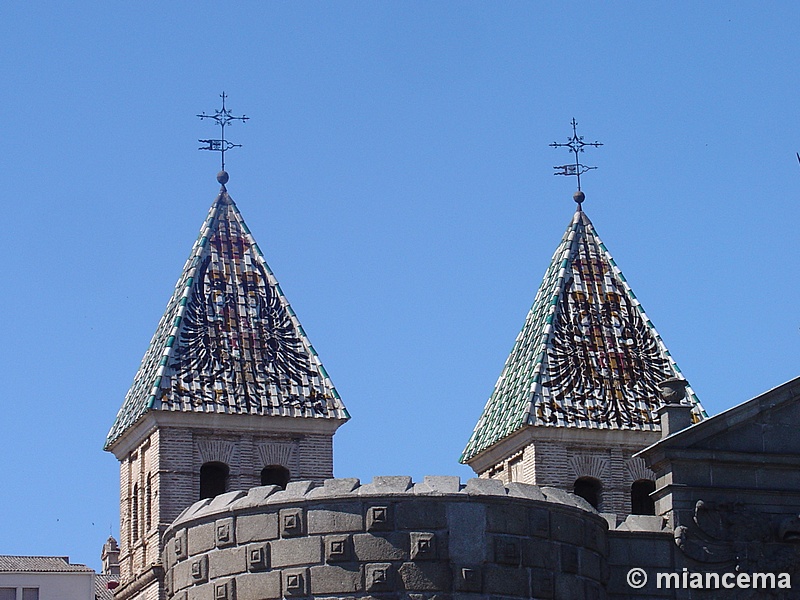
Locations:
674 414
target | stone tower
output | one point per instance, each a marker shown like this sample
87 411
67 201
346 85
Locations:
230 395
579 392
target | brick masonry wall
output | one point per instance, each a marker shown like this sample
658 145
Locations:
172 457
559 460
391 539
307 457
561 464
139 471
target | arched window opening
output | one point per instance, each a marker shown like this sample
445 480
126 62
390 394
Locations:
213 479
642 503
275 475
135 513
590 489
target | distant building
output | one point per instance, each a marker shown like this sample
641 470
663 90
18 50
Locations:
107 581
45 578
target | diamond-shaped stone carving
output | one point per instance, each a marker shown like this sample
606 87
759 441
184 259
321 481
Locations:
379 518
423 545
224 532
294 582
378 577
258 557
338 548
291 522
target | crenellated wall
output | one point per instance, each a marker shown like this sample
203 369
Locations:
391 538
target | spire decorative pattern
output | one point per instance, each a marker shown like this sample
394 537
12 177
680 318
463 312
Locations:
587 356
229 342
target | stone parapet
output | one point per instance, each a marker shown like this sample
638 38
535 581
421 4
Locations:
391 538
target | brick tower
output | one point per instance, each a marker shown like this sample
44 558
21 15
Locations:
230 395
579 392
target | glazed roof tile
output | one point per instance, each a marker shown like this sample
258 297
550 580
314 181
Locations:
587 356
229 342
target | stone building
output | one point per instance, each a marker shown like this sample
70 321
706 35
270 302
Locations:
727 527
230 394
225 447
579 392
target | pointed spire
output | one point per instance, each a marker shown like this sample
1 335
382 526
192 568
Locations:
588 356
229 342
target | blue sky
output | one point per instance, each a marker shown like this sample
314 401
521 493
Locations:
396 172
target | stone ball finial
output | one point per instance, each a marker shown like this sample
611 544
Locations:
579 197
673 390
222 177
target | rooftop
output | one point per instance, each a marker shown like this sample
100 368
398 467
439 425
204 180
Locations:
587 356
39 564
229 342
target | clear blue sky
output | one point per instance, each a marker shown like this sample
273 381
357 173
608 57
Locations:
396 172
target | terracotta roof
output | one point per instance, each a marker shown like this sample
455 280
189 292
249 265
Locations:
39 564
587 356
229 342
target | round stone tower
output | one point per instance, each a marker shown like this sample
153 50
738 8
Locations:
390 539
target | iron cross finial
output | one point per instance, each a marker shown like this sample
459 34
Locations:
575 145
223 117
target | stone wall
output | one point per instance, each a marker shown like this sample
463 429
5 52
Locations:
390 539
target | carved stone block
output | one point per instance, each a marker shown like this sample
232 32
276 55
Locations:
507 551
295 582
569 559
467 579
542 583
200 570
380 518
338 548
223 530
168 582
423 545
291 522
378 577
257 557
225 590
179 546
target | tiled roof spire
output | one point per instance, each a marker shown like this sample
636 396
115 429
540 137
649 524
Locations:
229 342
587 356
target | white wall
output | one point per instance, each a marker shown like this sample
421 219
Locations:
52 586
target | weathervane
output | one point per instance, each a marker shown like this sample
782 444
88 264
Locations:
223 117
575 145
